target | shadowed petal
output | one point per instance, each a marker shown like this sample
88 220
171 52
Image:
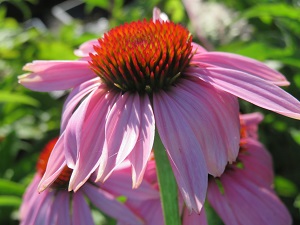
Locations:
214 118
119 183
107 203
81 211
253 89
121 133
194 219
142 149
242 64
91 135
183 149
55 75
63 212
76 95
55 165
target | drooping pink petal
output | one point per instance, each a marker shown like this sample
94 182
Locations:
55 75
29 194
55 165
33 208
44 211
221 204
183 149
63 212
240 63
73 131
119 184
141 152
90 138
121 133
81 211
252 89
253 204
107 203
86 48
257 163
194 219
76 95
150 211
214 118
197 51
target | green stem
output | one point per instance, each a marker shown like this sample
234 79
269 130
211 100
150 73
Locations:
167 184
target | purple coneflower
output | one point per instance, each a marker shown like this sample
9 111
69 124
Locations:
146 76
56 205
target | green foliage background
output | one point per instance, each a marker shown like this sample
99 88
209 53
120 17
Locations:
29 119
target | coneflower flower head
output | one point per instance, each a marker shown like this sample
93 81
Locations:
143 56
149 76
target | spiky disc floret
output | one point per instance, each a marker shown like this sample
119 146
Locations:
142 56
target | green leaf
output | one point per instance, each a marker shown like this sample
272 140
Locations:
167 184
7 200
285 187
8 187
296 135
9 97
273 10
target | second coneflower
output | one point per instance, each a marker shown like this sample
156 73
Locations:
149 75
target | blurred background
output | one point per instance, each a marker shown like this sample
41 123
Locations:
268 31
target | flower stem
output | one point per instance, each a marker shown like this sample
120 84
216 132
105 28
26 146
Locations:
167 184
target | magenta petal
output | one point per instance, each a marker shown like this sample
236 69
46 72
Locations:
119 184
257 160
109 205
194 219
63 212
242 64
76 95
142 149
55 165
86 48
121 133
184 151
215 122
55 75
254 90
91 135
44 211
81 211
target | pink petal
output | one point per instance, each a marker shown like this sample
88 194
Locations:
142 150
90 138
194 219
121 133
81 211
63 210
215 122
159 15
242 64
107 203
252 89
221 204
184 151
250 123
55 75
44 211
86 48
73 131
257 163
76 95
119 184
55 165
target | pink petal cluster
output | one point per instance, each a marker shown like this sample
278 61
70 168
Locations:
243 194
61 207
197 119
